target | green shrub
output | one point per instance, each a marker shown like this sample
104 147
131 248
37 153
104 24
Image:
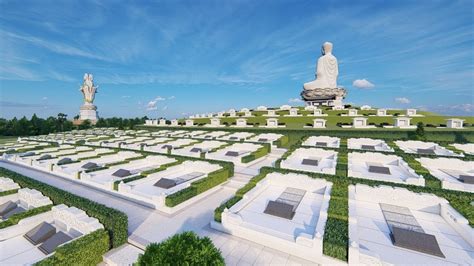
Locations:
182 249
114 221
15 218
8 192
86 250
260 152
282 142
213 179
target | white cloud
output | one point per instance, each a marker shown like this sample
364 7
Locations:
171 98
402 100
44 98
125 96
164 108
153 104
363 84
295 100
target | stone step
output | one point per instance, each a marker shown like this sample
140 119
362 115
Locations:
233 186
126 254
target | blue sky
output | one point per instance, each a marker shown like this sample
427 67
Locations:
170 58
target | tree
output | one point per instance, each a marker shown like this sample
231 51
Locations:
86 124
420 131
182 249
61 119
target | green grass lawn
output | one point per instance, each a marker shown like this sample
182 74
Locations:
6 139
334 117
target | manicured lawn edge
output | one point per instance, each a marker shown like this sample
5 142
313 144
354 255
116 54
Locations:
15 218
260 152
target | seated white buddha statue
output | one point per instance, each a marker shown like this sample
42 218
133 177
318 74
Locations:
326 70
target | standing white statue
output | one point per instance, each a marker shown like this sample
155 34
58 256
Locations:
88 89
326 70
88 110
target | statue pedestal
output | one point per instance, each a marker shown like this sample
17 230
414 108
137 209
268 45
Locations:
88 112
326 96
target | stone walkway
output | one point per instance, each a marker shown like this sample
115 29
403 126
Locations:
148 225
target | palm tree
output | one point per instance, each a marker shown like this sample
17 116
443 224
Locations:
61 119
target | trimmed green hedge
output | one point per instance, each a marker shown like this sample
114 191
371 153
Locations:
86 250
8 192
260 152
282 142
114 221
213 179
15 218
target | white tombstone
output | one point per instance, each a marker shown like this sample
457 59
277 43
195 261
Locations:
191 116
318 112
271 113
272 122
309 108
155 122
338 107
381 112
402 122
215 122
162 122
189 122
232 113
174 123
359 122
454 123
243 110
411 112
241 122
210 115
293 112
148 122
365 107
285 107
247 114
352 112
261 108
220 114
319 123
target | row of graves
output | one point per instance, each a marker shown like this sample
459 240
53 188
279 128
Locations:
389 219
38 236
151 168
272 118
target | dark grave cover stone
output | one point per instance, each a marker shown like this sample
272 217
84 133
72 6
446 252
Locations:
279 209
416 241
232 153
53 242
322 144
64 161
89 165
196 150
6 207
167 147
379 169
368 147
468 179
233 138
121 173
45 157
311 162
426 151
165 183
40 233
262 140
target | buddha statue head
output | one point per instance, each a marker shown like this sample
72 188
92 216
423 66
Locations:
326 48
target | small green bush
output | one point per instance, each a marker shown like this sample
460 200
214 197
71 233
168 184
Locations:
182 249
